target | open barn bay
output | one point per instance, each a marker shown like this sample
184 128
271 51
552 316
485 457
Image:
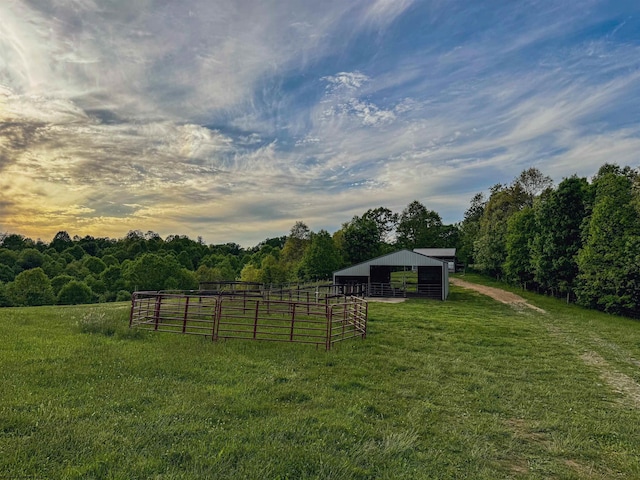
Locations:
467 388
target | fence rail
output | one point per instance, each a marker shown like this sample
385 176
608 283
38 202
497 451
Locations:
301 317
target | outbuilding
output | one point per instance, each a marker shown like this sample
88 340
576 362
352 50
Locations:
399 274
446 254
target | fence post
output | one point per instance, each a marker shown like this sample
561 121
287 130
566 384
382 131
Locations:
216 319
293 319
186 313
344 318
329 314
156 313
255 321
133 303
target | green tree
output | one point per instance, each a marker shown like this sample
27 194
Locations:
532 182
296 244
30 258
386 222
8 257
6 273
94 264
151 271
75 293
75 251
110 260
273 272
53 266
250 273
609 278
112 278
16 242
419 227
5 301
559 218
61 241
183 279
185 260
361 240
521 229
31 288
470 227
60 281
321 259
490 246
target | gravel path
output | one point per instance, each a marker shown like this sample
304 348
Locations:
496 293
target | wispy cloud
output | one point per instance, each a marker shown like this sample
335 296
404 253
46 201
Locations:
232 120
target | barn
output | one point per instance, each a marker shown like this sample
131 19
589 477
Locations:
399 274
447 254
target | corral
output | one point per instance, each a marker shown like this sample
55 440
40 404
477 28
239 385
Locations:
303 315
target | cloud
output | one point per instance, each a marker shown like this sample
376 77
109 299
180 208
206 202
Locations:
232 120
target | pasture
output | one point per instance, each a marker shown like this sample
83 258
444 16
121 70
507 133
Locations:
467 388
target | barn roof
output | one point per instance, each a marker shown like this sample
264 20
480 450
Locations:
436 252
400 258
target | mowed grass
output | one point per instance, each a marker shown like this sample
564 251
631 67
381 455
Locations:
467 388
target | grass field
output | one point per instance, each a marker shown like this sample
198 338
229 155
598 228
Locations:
467 388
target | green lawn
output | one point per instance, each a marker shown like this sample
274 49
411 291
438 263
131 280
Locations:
467 388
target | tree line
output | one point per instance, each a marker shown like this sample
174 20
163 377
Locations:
579 240
77 270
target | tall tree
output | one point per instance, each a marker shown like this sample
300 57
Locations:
609 277
61 241
559 217
521 229
489 248
419 227
470 227
360 240
386 222
532 182
321 259
295 245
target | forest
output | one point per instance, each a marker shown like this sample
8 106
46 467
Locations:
579 240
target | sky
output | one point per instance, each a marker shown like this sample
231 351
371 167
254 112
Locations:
231 120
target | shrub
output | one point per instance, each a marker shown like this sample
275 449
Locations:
74 293
30 288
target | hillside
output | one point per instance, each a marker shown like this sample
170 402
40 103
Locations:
467 388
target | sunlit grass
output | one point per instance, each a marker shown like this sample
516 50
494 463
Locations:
467 388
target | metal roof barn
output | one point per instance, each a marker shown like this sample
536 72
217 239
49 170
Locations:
420 276
447 254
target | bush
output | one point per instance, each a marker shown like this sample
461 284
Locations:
74 293
31 288
123 296
60 281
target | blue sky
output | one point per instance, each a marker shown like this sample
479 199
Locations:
234 119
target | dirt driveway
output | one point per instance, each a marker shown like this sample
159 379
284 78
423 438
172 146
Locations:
496 293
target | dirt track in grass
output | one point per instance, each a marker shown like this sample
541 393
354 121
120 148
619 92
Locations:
497 294
618 381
